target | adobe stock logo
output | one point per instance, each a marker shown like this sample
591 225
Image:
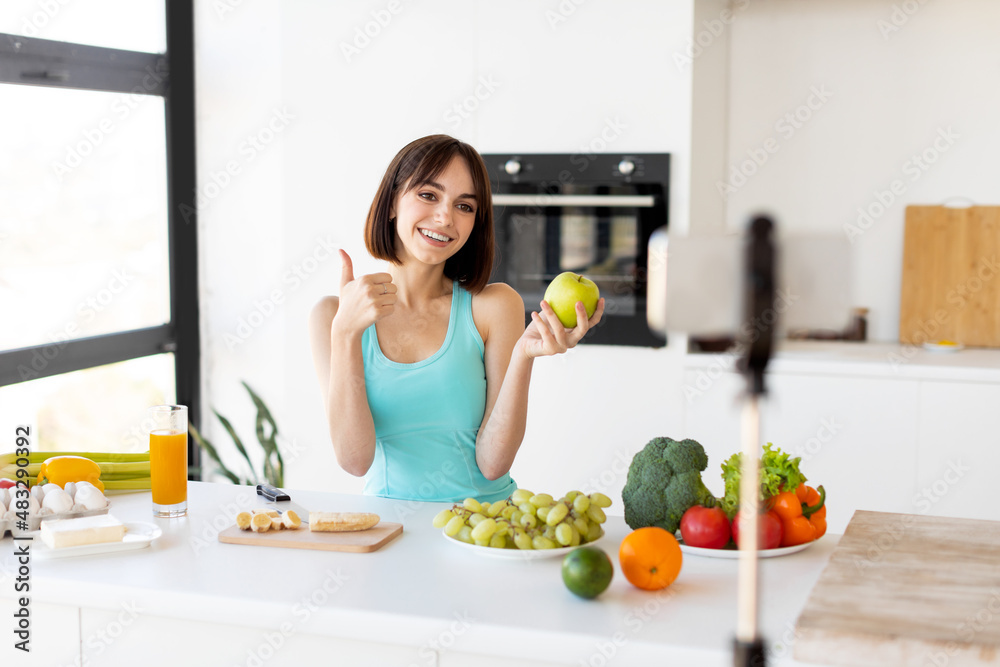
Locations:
914 167
786 127
365 34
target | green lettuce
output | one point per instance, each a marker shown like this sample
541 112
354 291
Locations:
778 472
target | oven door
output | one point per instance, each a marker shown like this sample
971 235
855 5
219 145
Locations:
601 232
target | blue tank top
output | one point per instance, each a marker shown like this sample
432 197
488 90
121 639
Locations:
427 415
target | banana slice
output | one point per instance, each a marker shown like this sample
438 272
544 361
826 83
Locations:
335 522
291 520
268 512
243 520
260 523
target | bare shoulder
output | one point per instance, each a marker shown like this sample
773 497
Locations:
501 296
498 306
323 312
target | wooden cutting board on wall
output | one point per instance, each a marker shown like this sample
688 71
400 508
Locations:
904 589
951 276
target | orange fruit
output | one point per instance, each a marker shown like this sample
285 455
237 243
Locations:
650 558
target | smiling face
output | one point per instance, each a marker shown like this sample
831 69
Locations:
424 184
435 218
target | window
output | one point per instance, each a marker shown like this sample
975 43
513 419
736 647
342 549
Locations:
98 278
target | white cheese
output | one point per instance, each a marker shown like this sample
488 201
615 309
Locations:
60 533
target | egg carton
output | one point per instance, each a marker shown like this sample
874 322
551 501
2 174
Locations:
35 520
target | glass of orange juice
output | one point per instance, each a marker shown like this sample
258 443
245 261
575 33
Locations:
168 459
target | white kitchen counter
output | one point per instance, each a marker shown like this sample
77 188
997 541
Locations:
417 601
867 359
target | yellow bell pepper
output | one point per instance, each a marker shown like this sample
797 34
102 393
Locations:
62 469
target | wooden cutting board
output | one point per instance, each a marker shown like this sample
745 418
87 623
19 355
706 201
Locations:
951 276
903 589
358 541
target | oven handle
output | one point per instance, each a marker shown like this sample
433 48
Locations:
610 201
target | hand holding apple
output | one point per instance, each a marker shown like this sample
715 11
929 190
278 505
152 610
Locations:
554 331
565 290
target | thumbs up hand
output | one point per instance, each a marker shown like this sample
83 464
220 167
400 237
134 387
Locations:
364 300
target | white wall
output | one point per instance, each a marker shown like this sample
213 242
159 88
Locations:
896 82
525 76
241 228
523 80
548 84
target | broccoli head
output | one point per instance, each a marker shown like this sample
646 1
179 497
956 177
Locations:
664 481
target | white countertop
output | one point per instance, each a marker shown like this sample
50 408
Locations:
418 586
865 359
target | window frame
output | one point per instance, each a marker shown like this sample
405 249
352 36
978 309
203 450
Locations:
41 62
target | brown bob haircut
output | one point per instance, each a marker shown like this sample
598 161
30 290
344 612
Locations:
417 163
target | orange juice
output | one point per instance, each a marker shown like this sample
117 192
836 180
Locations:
168 464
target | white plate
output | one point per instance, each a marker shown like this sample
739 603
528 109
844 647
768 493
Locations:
518 554
138 535
733 553
938 347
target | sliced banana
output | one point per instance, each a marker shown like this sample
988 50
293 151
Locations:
243 520
291 520
260 523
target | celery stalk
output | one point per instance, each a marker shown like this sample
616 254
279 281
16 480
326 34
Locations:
136 469
10 458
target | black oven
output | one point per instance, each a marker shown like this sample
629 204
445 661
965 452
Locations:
590 214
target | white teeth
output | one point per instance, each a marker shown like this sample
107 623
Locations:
432 235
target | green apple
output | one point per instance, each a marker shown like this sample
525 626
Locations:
565 290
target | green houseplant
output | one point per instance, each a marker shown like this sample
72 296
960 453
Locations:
267 433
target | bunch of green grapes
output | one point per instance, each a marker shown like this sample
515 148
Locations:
527 520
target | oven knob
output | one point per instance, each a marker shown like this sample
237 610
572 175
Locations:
512 167
626 167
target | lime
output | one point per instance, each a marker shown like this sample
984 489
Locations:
587 572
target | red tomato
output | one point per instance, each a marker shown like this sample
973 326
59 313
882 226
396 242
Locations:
770 530
705 527
7 483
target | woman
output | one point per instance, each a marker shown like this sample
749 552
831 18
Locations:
424 370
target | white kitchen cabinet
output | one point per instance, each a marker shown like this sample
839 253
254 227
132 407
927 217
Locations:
55 632
882 427
712 417
591 410
853 437
958 450
179 642
856 437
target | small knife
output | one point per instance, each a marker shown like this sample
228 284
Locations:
282 501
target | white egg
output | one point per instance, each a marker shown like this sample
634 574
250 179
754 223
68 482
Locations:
84 483
57 500
70 488
3 503
37 492
91 498
50 486
33 506
4 498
